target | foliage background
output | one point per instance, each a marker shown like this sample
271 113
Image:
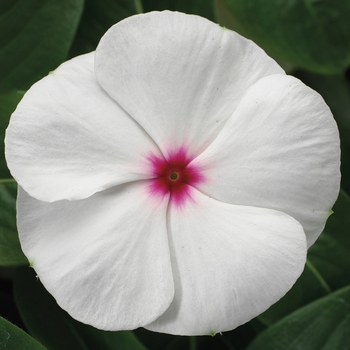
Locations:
310 39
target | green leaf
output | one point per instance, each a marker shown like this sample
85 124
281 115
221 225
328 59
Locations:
331 253
13 338
10 249
161 341
8 308
226 19
335 90
308 288
236 339
8 103
47 322
36 36
97 339
321 325
312 34
327 267
98 17
204 8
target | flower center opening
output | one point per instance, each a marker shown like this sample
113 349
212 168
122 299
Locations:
173 176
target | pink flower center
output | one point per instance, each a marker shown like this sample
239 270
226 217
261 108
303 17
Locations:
174 175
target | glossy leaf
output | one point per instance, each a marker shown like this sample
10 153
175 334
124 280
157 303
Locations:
13 338
10 250
8 103
321 325
35 38
331 253
46 321
204 8
312 34
98 17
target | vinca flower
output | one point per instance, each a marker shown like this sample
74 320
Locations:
173 179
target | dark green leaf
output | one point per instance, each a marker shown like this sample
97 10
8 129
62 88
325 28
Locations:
312 34
161 341
308 288
328 267
103 340
13 338
98 17
236 339
8 103
204 8
321 325
331 252
35 38
226 19
47 322
8 309
10 250
336 92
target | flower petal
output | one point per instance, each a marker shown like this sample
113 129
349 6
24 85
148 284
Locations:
180 76
68 139
105 258
230 263
279 150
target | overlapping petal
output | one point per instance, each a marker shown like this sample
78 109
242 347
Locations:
279 150
180 76
105 258
68 139
230 263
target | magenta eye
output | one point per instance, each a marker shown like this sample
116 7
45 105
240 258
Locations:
174 175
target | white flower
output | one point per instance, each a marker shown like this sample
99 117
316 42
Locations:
175 182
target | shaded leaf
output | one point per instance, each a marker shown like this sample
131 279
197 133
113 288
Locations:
225 18
336 92
312 34
13 338
204 8
98 17
46 321
306 289
8 103
8 308
236 339
161 341
331 253
35 38
321 325
328 266
10 249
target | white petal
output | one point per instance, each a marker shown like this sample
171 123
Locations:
230 263
279 150
105 259
68 139
180 76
